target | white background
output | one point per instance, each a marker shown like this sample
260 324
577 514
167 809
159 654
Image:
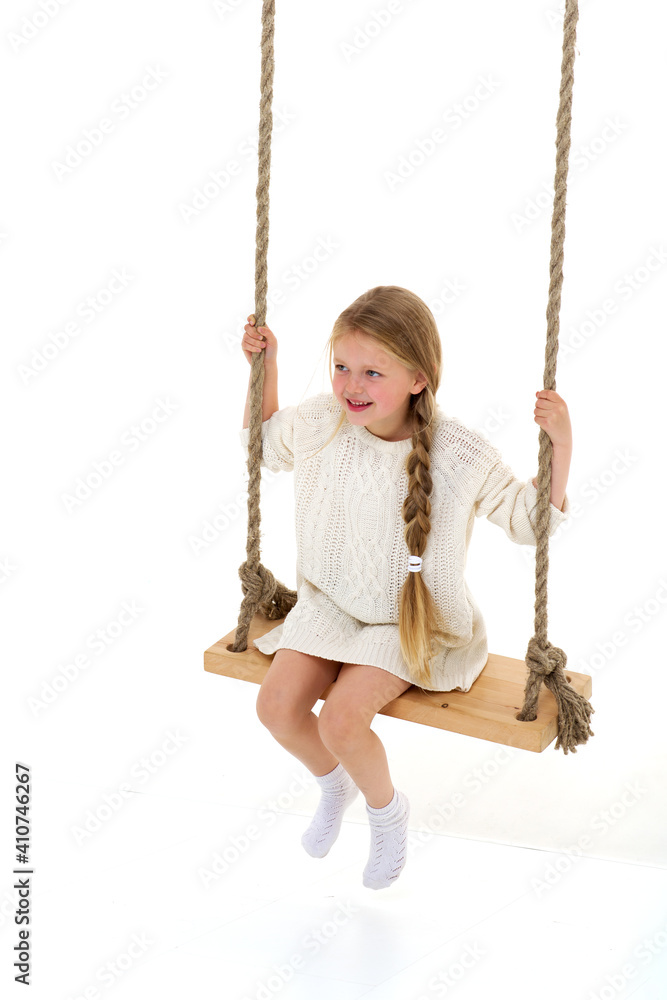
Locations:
163 530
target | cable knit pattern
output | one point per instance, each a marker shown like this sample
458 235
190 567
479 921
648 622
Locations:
352 559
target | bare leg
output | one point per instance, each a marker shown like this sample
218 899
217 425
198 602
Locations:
359 693
344 726
292 685
365 761
303 742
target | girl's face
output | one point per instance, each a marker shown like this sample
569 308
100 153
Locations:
364 372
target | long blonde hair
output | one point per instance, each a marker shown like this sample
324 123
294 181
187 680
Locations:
405 328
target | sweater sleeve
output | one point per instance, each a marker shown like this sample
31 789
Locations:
512 505
277 440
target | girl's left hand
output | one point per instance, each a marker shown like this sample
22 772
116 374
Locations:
552 415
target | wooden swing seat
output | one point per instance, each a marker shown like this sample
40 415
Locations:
487 711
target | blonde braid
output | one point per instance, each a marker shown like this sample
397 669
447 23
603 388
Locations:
420 621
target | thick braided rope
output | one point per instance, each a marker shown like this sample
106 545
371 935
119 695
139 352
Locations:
546 662
260 588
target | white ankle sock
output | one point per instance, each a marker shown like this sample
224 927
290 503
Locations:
338 791
389 842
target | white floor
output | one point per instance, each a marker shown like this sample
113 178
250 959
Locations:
158 905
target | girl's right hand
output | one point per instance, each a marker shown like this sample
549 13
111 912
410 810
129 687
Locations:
252 341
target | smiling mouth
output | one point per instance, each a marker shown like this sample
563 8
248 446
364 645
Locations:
356 406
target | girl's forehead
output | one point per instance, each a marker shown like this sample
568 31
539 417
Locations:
373 353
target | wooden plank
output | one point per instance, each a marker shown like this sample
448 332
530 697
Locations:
486 712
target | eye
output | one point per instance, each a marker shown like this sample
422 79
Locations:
368 369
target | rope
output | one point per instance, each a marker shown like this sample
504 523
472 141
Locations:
544 661
273 599
262 592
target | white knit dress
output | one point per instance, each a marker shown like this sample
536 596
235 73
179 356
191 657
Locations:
352 558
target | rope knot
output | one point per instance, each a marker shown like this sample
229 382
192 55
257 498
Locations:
574 711
544 661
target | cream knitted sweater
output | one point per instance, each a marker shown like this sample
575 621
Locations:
352 559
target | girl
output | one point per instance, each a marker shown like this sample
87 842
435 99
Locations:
386 491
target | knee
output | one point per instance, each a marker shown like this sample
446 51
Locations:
339 730
275 711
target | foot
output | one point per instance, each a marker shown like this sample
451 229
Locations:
389 842
338 791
